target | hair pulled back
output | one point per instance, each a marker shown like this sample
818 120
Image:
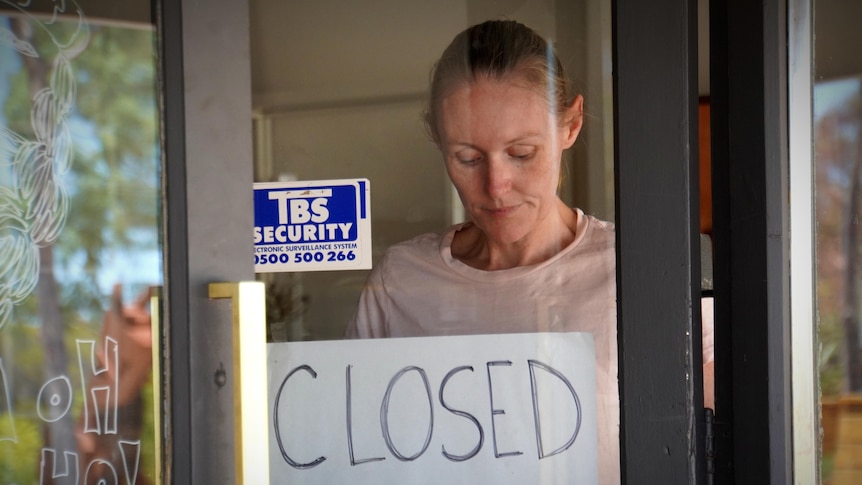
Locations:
499 50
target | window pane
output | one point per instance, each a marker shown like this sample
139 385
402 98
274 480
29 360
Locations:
336 98
339 92
79 239
838 161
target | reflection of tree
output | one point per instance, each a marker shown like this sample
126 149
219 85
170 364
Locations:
45 197
839 161
851 291
113 180
111 187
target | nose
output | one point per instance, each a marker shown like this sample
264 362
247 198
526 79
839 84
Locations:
498 177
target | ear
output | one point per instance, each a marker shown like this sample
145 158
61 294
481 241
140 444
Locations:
573 120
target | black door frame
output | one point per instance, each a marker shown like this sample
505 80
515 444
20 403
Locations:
658 241
749 89
206 88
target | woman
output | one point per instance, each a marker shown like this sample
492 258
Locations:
501 112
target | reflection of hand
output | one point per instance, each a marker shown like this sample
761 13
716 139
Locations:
130 326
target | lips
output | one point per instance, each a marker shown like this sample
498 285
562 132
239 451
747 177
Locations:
502 211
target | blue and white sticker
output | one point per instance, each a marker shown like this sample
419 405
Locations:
317 225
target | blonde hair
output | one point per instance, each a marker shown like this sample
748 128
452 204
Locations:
498 50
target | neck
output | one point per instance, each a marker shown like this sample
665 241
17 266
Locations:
472 247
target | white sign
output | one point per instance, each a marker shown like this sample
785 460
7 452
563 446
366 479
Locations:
321 225
507 409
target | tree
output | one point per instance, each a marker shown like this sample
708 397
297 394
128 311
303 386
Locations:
838 164
82 144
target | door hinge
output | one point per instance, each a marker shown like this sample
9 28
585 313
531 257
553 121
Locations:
709 449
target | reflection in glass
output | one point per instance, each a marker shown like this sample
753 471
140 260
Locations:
79 205
339 93
837 139
838 163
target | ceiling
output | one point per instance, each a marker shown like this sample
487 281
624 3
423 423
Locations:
288 69
401 40
360 50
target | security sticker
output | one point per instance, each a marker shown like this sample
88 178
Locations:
317 225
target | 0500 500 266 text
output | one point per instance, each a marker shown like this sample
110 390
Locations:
307 257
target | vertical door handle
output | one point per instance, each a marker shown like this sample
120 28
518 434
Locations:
158 414
251 437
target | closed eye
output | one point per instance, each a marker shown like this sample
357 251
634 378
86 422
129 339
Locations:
469 161
521 151
468 157
522 156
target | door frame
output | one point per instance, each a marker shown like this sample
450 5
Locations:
208 167
658 241
748 79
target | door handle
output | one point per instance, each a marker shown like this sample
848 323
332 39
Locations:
158 421
251 438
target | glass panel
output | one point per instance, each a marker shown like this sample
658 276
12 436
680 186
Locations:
339 90
838 122
838 191
335 99
79 239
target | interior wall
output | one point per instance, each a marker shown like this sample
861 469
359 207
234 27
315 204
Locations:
340 87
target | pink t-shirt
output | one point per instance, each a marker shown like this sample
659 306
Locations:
420 289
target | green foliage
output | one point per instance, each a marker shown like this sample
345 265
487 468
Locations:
830 365
113 185
25 467
17 107
116 187
148 442
114 178
21 350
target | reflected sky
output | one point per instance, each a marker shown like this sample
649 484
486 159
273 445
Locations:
831 94
136 266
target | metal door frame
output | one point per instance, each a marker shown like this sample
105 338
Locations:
208 173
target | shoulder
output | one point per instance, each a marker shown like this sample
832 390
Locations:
411 257
594 251
422 247
597 231
600 225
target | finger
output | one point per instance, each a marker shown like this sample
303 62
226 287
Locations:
117 300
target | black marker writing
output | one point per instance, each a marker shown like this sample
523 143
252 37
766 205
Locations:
534 364
284 454
464 414
353 460
384 413
510 416
495 412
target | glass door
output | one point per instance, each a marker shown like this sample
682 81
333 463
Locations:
836 124
80 244
94 97
338 91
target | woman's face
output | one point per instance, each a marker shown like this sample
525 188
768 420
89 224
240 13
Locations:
502 148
